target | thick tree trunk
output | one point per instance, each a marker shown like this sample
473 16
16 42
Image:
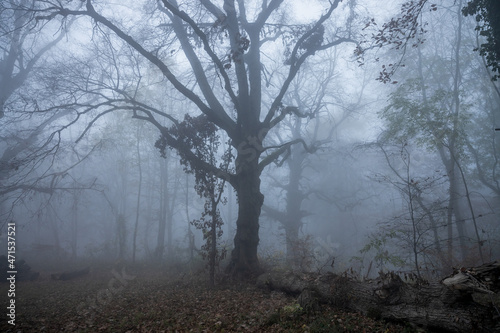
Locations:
293 256
294 198
447 306
121 235
244 261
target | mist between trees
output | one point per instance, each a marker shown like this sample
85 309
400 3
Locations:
242 135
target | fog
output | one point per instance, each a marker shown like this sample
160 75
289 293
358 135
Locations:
355 174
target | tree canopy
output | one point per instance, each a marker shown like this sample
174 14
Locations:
487 13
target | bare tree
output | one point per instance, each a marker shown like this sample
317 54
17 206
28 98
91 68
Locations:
433 109
223 47
312 109
420 216
30 138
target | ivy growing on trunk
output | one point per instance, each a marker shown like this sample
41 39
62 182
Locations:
202 139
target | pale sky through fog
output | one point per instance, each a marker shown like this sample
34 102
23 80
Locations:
307 10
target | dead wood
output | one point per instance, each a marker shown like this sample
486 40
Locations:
444 306
483 279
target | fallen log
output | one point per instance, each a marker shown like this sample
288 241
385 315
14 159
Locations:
71 275
483 279
430 305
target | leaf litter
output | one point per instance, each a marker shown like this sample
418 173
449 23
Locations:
159 301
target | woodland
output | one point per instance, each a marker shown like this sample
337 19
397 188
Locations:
261 165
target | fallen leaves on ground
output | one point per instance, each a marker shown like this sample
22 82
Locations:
161 302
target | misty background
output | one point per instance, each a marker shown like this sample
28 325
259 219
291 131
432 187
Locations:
398 176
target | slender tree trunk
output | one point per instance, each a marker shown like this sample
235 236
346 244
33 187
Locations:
148 209
190 234
437 241
293 221
471 208
213 240
411 209
138 198
459 218
55 230
449 241
294 200
162 216
455 204
454 215
230 207
170 217
74 226
121 223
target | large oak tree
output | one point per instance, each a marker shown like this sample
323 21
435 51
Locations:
222 43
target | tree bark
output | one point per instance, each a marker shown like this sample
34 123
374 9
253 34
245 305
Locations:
244 260
121 235
294 201
138 207
74 225
447 306
213 239
162 218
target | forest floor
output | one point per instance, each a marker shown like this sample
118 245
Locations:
139 299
